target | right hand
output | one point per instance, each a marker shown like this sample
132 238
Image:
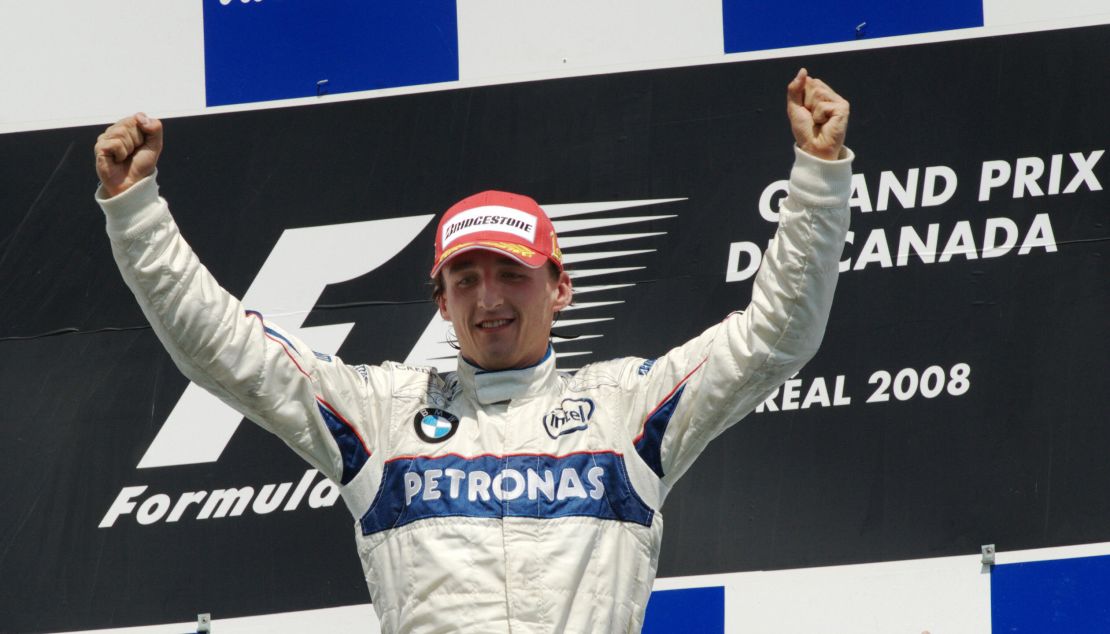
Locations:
128 152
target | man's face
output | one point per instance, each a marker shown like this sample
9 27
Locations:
501 310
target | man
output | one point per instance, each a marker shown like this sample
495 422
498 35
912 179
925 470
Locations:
506 496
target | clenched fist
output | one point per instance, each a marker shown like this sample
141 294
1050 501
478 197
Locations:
818 116
127 152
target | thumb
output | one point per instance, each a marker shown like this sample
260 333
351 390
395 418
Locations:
796 89
152 131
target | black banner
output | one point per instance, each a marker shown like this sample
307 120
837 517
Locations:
960 397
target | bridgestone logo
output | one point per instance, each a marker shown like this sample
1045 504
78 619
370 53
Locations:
219 503
485 221
490 218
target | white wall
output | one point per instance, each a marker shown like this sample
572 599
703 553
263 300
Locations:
67 62
924 596
75 62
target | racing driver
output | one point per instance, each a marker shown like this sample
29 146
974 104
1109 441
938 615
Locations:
506 496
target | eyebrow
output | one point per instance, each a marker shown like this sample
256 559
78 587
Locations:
453 267
465 263
462 266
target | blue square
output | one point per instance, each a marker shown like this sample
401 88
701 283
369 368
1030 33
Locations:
261 50
756 25
699 610
1065 596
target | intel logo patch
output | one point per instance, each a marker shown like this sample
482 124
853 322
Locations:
435 425
572 415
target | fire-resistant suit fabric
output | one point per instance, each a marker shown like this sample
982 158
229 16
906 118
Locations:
523 500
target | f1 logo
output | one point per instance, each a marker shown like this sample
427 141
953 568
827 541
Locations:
290 282
285 290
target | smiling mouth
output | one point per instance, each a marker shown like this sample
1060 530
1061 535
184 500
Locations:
494 323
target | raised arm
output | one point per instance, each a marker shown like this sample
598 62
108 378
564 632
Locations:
317 404
697 390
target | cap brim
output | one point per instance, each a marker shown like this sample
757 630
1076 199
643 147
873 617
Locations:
524 255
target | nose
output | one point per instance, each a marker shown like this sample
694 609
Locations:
490 295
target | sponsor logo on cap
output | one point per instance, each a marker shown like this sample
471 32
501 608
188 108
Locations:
490 218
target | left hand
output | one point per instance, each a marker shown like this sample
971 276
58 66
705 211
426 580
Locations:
818 116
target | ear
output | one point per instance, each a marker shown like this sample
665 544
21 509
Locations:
441 301
564 292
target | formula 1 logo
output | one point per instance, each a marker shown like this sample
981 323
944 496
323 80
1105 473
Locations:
572 415
287 288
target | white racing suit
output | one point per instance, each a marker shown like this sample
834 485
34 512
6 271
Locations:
521 500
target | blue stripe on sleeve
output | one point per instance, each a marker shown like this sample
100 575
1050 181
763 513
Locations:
651 442
350 446
277 335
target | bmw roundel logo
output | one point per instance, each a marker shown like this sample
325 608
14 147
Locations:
435 425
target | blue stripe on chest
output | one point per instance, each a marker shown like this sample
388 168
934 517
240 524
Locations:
584 484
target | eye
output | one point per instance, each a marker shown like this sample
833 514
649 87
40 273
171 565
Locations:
466 280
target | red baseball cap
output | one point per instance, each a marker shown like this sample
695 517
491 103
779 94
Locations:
509 224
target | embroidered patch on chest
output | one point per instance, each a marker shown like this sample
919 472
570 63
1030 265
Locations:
435 425
572 415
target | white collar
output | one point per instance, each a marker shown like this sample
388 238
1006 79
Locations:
495 386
